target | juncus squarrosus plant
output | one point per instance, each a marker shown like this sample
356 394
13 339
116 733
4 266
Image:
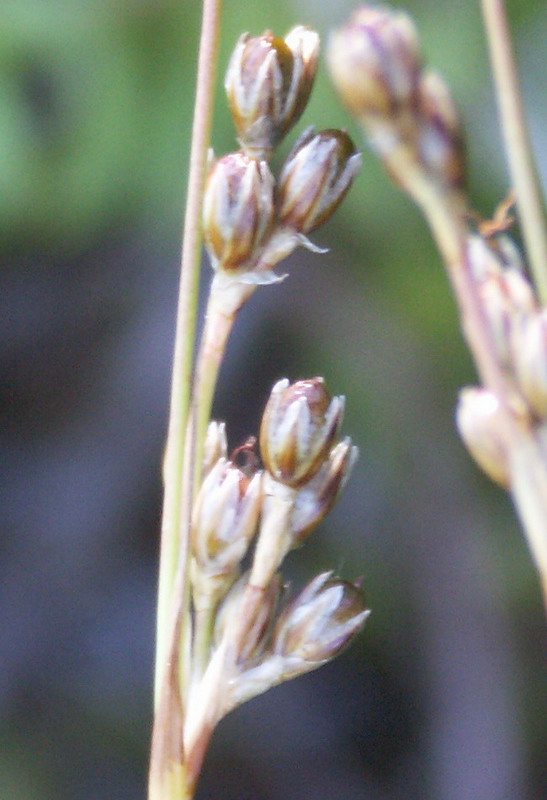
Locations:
410 121
228 631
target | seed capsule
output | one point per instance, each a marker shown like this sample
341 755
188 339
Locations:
299 425
478 421
268 83
315 178
321 621
225 517
440 143
375 61
529 348
314 500
238 210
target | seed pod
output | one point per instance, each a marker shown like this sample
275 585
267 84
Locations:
321 621
315 178
478 421
215 445
299 425
238 210
224 517
529 349
440 142
258 627
268 83
375 61
314 500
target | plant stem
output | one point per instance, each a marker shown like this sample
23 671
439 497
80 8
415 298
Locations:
168 778
225 300
172 531
517 141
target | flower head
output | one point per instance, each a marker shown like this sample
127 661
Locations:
315 178
321 621
268 83
299 425
375 61
237 210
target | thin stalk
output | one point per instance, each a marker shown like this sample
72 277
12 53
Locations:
169 776
222 307
171 545
517 142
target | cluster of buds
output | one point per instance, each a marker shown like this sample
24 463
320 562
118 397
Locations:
518 328
409 118
261 639
378 68
250 220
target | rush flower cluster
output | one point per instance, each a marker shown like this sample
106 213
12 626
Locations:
410 121
259 637
251 220
377 66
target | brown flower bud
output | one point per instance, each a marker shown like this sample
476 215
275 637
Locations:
224 517
440 142
321 621
315 178
237 210
314 500
268 83
478 420
299 425
375 61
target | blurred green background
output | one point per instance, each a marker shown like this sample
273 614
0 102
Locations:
443 696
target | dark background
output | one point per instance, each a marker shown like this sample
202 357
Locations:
443 695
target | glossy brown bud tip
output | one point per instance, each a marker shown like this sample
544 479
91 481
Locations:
238 210
268 83
299 425
315 178
321 621
375 61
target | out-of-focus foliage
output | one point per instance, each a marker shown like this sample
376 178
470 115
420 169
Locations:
442 696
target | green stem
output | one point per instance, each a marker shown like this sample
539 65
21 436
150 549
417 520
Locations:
174 529
517 142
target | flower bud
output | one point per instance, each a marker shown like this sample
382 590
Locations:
504 292
321 621
237 210
268 83
314 500
258 625
299 425
478 420
215 445
375 61
315 177
440 143
225 517
529 346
